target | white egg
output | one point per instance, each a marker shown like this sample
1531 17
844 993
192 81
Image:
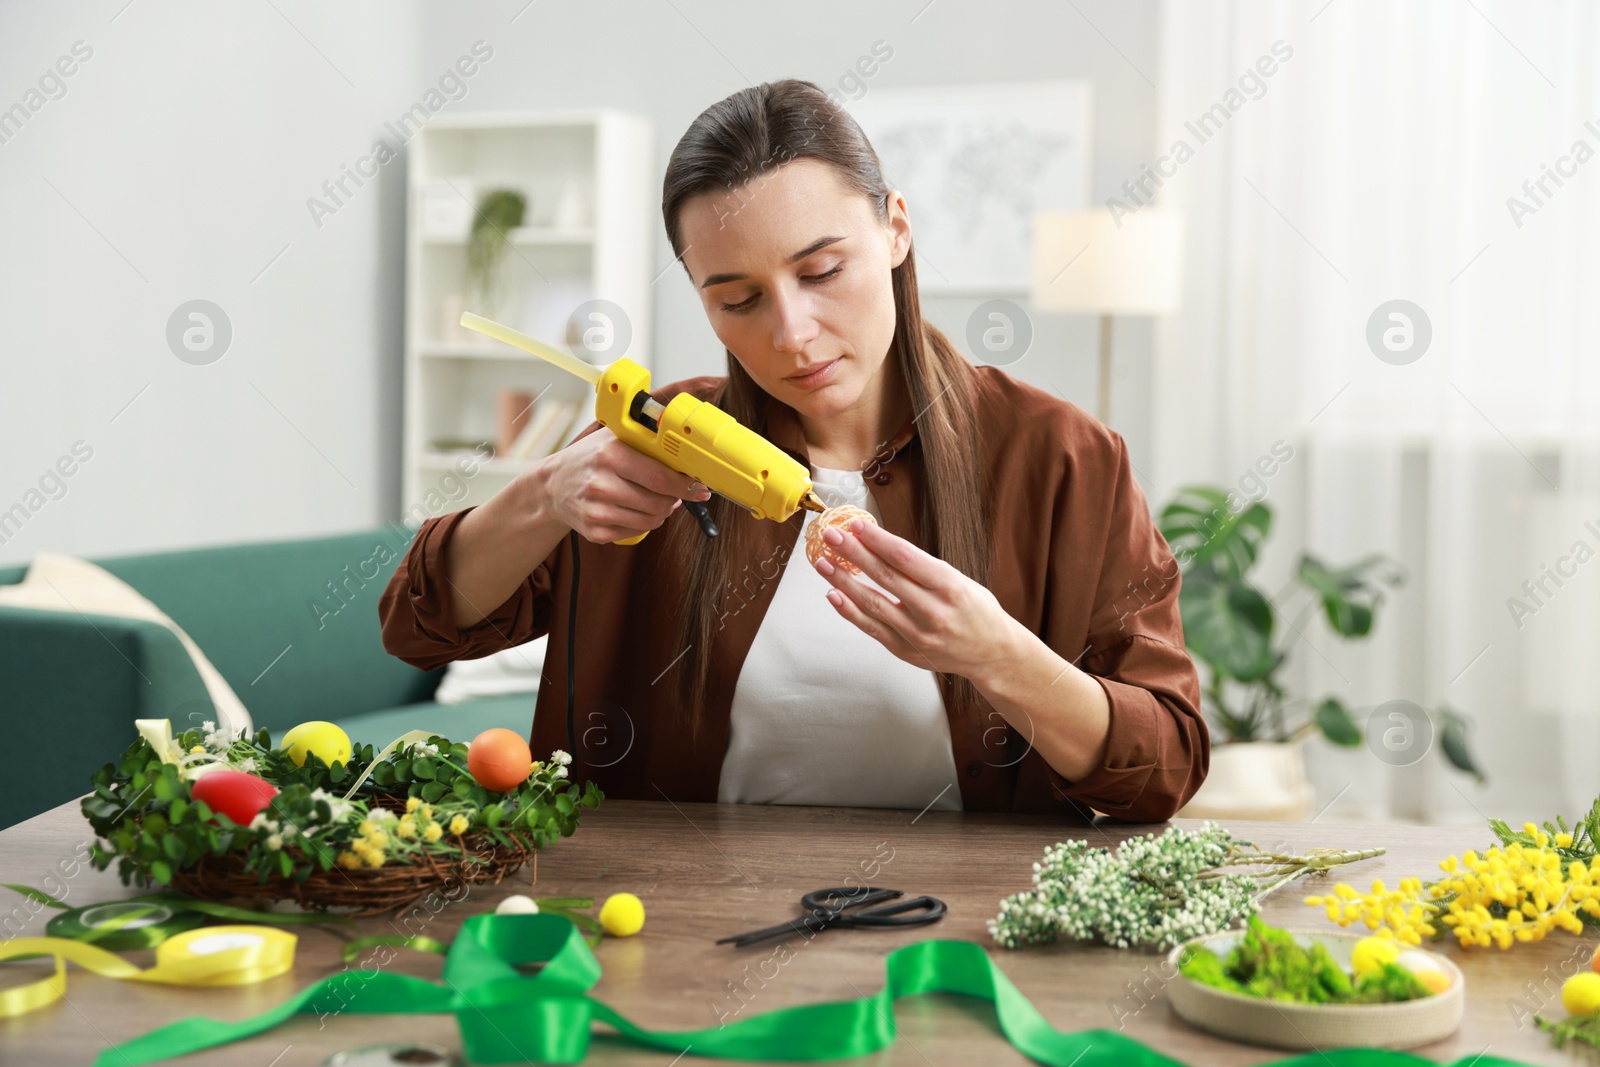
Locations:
1413 961
517 904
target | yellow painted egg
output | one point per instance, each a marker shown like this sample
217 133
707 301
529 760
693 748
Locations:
1370 954
321 739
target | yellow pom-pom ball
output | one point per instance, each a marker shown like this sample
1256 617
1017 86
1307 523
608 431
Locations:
1580 994
323 740
622 915
1370 954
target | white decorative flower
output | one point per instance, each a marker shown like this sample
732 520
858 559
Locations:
560 772
275 842
339 809
560 757
421 748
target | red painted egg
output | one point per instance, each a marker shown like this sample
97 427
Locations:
500 759
237 795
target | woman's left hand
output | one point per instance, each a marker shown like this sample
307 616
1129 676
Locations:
936 617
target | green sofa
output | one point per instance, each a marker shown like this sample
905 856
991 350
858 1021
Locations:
292 626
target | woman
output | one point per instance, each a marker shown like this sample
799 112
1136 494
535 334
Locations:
1012 641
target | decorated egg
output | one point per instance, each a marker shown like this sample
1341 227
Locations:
237 795
323 740
1426 968
499 759
517 904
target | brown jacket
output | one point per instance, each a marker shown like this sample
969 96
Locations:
1077 558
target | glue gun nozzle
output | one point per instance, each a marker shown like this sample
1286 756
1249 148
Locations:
811 502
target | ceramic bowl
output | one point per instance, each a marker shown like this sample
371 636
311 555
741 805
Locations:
1276 1024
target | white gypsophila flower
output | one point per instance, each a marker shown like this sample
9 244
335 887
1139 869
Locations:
560 772
1147 893
275 842
339 809
560 757
421 748
215 740
248 765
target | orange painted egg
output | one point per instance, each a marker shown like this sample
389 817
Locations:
237 795
500 759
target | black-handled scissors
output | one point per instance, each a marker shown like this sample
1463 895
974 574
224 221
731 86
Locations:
829 907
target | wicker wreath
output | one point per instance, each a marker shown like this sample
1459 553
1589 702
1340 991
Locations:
366 891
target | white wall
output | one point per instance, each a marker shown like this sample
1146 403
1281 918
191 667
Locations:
178 165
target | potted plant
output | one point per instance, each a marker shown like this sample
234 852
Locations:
498 213
1258 729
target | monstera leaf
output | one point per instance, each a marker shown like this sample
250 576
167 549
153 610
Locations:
1206 534
1228 624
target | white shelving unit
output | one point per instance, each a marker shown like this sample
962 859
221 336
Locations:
453 376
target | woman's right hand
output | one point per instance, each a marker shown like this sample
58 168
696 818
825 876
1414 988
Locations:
609 492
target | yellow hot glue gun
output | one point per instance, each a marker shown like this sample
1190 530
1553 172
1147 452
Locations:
688 434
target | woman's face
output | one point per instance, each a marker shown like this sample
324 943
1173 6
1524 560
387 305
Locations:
793 272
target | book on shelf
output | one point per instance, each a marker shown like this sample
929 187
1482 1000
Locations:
545 431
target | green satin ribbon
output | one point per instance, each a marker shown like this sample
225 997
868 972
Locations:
508 1016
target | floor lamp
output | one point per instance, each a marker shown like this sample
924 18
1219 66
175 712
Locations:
1089 263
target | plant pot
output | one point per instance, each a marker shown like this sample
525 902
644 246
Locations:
1262 780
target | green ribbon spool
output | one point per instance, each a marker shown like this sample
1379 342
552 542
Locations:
123 924
508 1016
146 921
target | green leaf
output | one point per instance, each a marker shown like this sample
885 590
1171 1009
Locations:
1206 534
1228 624
462 787
1337 724
173 848
161 871
163 789
432 792
564 804
1453 739
34 895
423 768
383 774
285 863
179 808
493 814
1350 595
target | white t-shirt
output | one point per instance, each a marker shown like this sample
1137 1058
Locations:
824 714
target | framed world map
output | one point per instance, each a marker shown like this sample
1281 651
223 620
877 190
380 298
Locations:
975 163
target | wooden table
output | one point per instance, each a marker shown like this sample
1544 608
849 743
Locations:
705 871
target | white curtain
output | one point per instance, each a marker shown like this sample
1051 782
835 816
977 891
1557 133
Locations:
1375 163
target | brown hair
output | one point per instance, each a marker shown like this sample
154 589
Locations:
749 134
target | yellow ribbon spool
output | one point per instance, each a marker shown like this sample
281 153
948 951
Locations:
208 956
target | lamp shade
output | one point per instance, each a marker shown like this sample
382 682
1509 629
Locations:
1125 266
